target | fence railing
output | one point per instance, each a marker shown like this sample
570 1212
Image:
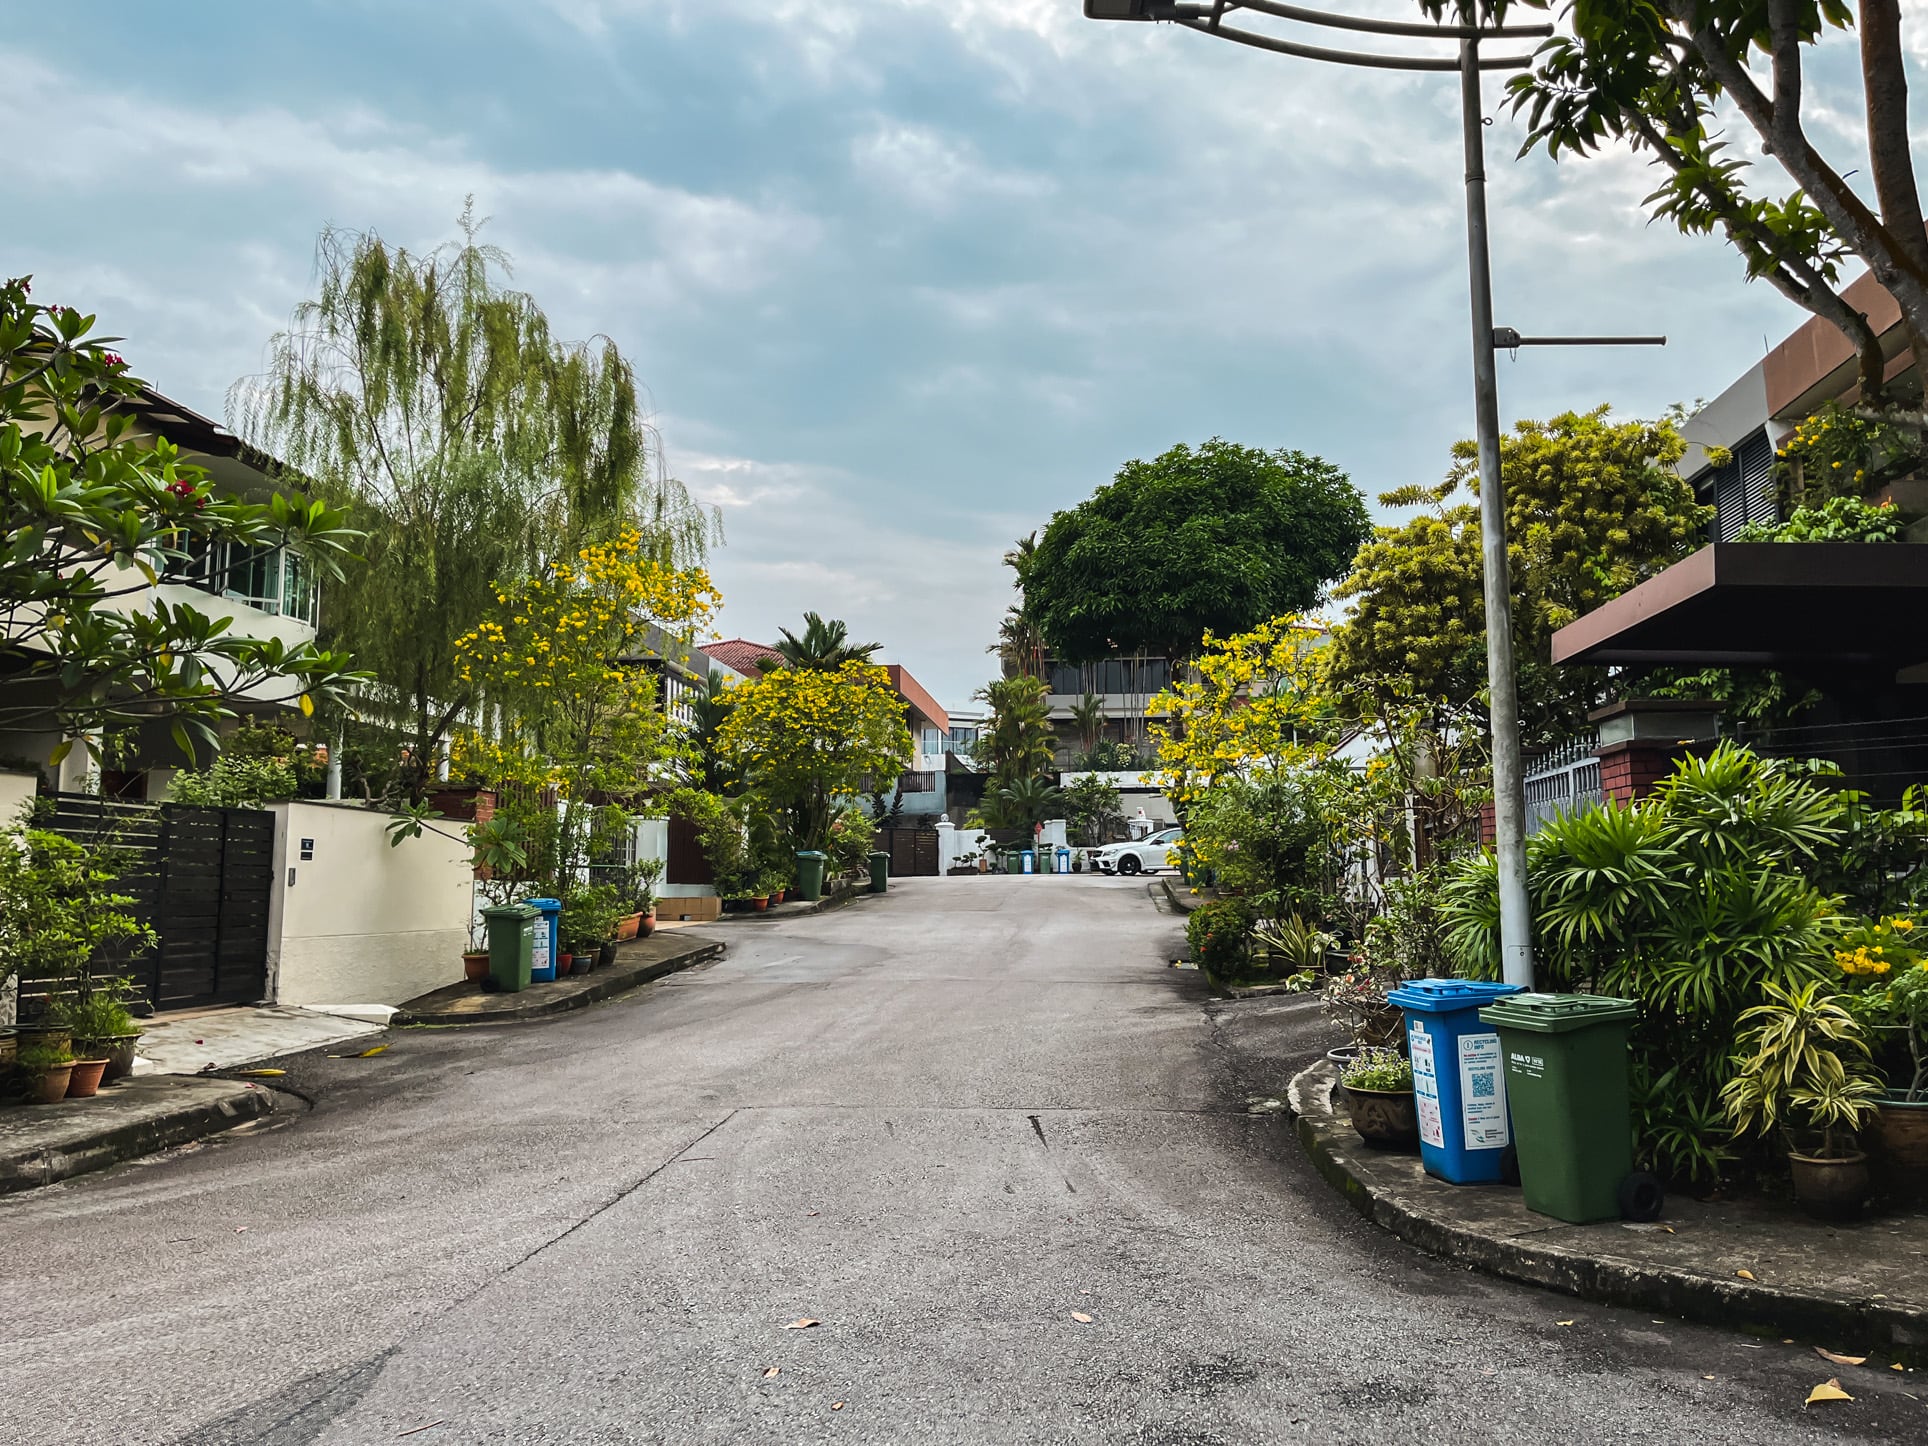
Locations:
1560 780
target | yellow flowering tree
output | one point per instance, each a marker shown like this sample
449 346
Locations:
801 737
560 660
1248 705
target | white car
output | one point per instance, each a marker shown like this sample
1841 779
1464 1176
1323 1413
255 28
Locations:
1143 856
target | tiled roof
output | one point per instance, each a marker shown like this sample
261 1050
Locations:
741 654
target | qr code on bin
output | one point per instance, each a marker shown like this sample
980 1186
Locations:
1482 1081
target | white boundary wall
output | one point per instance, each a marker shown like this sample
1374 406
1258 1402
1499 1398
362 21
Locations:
358 922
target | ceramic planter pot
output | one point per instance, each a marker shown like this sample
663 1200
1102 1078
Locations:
120 1056
565 963
1830 1189
648 925
581 963
760 902
1386 1118
606 955
44 1036
628 927
9 1045
84 1080
475 967
51 1086
1344 1055
1900 1140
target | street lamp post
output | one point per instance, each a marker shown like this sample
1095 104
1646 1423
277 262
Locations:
1509 792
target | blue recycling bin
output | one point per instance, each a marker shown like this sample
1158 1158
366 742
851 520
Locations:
1064 860
1030 862
542 965
1459 1077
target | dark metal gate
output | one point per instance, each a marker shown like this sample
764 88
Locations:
913 851
202 878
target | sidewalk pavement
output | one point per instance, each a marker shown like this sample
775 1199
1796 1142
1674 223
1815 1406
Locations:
637 962
44 1144
1750 1265
215 1039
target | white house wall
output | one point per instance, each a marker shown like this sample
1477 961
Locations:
360 922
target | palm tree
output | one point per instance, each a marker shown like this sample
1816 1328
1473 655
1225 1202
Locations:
824 645
1088 713
1024 803
1017 741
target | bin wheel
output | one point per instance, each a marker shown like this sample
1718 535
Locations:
1510 1166
1641 1197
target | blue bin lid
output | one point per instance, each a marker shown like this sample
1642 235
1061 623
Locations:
545 903
1445 996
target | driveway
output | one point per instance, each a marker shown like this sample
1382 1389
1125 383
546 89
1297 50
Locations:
978 1131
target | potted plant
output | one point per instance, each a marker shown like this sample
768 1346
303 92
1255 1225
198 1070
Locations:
1378 1084
1805 1070
46 1070
1886 973
1218 933
1357 999
102 1028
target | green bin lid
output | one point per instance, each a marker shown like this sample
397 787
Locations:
811 854
512 911
1557 1013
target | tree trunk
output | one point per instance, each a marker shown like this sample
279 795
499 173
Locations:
1884 79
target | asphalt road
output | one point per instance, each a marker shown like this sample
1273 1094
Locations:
944 1125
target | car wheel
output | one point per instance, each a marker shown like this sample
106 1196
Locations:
1128 864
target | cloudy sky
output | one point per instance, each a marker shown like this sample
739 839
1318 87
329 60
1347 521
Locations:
902 276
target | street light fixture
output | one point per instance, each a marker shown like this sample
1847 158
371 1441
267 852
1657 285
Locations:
1208 17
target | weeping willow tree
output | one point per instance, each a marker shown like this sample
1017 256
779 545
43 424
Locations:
472 445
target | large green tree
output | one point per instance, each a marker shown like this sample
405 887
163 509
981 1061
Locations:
96 513
1593 507
475 446
1664 77
1214 538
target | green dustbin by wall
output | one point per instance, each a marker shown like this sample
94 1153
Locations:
879 872
1566 1085
1014 861
512 944
810 874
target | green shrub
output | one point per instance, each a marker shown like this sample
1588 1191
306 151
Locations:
235 781
1693 903
1219 933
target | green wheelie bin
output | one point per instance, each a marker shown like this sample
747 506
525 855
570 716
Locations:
810 865
512 945
1566 1085
879 872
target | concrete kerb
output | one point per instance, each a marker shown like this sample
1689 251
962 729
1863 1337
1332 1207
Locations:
1368 1180
45 1144
793 909
637 963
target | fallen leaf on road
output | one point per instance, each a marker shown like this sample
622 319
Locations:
811 1214
262 1073
1897 1366
240 1230
1670 1230
836 1405
1839 1360
803 1323
771 1371
1563 1322
1829 1390
1081 1317
371 1053
1707 1378
414 1429
1745 1274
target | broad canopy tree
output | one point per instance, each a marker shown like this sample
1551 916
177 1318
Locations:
96 515
1216 538
1662 76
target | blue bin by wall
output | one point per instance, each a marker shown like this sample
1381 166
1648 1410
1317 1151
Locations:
543 968
1459 1077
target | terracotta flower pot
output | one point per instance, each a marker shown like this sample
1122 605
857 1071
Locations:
1830 1189
51 1087
777 896
1900 1140
1386 1118
627 927
84 1081
760 902
475 967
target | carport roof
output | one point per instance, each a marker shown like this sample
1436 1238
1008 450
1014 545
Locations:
1826 605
